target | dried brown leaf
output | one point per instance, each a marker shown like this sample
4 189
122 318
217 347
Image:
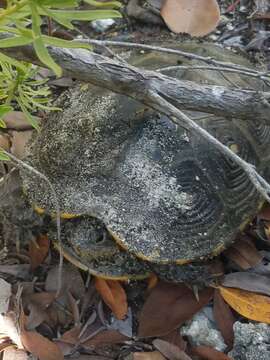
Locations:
37 305
37 344
40 346
175 338
16 120
170 351
194 17
5 142
14 354
38 250
208 353
19 140
73 304
114 296
250 305
71 336
168 306
248 281
5 295
244 253
71 281
8 326
152 281
106 337
20 271
224 318
265 213
154 355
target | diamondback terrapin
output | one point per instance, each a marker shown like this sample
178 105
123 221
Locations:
166 196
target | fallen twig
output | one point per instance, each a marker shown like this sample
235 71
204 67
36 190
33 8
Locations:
32 170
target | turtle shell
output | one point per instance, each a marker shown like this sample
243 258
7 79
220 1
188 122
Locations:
87 244
166 195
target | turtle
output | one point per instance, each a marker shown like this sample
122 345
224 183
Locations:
167 199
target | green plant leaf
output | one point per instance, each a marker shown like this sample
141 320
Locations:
4 109
59 3
53 41
54 16
7 59
39 46
15 41
2 124
3 156
114 4
86 15
32 119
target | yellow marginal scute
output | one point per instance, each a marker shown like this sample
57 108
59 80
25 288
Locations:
63 215
142 256
76 262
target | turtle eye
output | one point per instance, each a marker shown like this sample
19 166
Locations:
100 239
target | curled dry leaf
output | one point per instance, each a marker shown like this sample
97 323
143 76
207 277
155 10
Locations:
38 250
114 296
224 318
208 353
244 253
37 344
248 281
194 17
250 305
170 351
168 306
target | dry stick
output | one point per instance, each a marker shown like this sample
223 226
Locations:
208 59
181 119
57 208
216 68
101 71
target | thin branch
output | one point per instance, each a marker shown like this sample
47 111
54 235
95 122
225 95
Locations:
207 59
126 79
57 210
166 94
216 68
181 119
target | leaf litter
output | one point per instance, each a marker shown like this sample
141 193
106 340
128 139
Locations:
89 316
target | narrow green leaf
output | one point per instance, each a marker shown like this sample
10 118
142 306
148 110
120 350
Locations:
4 109
53 41
39 46
32 119
59 3
15 41
55 17
2 124
86 15
3 156
115 4
13 62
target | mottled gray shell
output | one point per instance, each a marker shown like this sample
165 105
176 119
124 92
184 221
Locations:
166 195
